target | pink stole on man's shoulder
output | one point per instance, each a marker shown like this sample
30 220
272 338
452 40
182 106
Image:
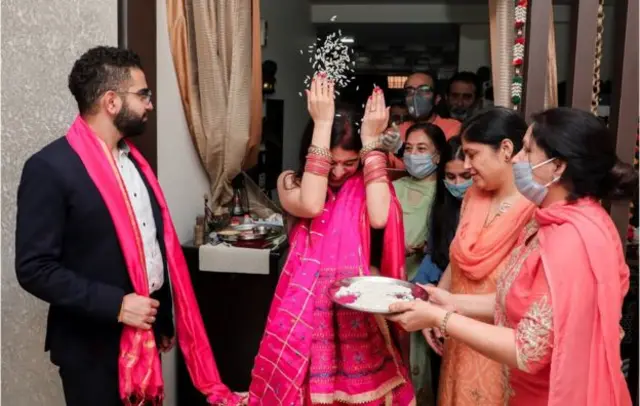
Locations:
585 370
140 371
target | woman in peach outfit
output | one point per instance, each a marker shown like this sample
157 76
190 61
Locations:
555 319
492 215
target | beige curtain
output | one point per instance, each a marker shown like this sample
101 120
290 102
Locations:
214 53
551 92
501 37
255 134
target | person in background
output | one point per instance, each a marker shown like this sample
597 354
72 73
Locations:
312 351
492 215
425 149
421 99
445 216
95 240
484 79
463 96
554 322
398 113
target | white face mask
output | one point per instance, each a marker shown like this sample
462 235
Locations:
526 185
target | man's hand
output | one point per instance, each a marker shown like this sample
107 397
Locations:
139 311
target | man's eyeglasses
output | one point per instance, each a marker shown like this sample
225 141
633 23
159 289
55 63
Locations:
143 94
424 89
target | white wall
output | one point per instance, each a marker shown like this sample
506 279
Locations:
181 176
474 28
473 50
289 30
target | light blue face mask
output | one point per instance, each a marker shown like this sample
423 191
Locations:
419 166
526 185
458 190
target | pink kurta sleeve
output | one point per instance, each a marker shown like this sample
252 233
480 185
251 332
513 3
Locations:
534 331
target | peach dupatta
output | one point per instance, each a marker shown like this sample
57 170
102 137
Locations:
478 256
479 250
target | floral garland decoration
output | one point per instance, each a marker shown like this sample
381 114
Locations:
518 52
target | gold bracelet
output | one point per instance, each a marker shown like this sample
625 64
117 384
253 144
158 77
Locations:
376 145
324 152
443 325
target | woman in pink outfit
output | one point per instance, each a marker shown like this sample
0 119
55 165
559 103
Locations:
558 303
347 220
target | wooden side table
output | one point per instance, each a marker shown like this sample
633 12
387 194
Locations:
234 310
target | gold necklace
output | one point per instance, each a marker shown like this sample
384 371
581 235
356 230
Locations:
502 208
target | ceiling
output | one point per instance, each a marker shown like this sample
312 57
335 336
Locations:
399 47
455 2
367 34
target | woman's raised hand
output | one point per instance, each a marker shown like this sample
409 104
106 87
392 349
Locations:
376 117
320 99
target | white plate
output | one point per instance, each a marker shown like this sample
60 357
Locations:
382 307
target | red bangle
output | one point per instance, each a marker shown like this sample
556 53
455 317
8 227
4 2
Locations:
375 176
374 167
318 167
372 154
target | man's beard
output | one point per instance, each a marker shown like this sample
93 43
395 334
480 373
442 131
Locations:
128 123
461 113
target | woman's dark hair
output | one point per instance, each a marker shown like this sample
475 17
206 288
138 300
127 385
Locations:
344 134
445 151
493 125
585 144
445 214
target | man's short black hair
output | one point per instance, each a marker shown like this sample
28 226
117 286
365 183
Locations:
99 70
467 77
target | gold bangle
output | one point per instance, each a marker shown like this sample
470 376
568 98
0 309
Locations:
370 147
324 152
443 325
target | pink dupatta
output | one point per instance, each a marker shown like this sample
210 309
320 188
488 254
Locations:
583 374
140 372
316 352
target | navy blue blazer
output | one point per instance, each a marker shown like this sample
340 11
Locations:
67 254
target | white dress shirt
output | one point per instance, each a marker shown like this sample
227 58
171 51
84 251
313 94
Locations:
141 203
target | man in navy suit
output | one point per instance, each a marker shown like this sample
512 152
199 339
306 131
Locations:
67 249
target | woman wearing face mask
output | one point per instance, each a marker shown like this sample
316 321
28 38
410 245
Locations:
492 214
314 352
446 214
424 149
557 309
